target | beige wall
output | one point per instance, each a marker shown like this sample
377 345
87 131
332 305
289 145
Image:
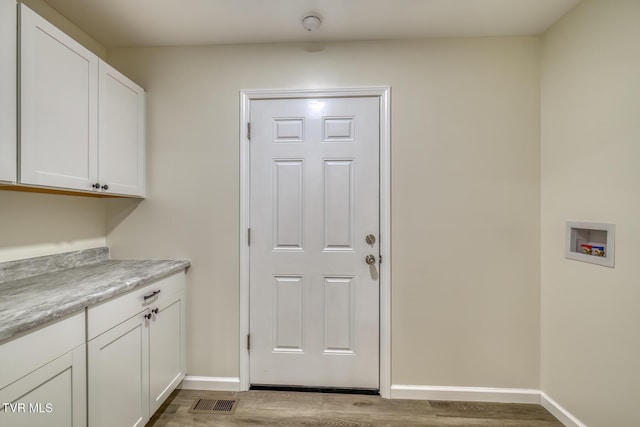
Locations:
44 224
465 193
590 350
465 198
53 16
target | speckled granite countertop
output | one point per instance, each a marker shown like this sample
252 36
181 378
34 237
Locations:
71 282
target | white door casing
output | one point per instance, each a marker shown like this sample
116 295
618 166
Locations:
383 93
314 302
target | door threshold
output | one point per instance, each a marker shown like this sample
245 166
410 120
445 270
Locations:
307 389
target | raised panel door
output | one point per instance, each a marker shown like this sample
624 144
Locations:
314 301
59 89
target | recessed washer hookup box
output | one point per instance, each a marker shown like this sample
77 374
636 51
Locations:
590 242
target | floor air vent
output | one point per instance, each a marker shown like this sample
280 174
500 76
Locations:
213 406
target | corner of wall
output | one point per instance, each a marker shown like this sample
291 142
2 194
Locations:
60 21
589 71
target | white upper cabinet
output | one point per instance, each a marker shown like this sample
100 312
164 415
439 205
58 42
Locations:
82 122
121 133
8 66
59 107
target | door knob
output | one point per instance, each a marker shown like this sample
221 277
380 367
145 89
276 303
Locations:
370 259
370 239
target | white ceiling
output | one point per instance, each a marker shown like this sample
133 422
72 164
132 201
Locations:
123 23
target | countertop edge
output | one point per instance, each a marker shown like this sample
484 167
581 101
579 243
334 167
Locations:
90 299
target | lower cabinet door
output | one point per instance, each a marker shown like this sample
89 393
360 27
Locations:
53 395
167 362
119 375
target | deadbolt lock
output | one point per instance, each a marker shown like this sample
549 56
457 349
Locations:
370 239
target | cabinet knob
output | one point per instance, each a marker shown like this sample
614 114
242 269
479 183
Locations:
96 185
105 187
147 316
155 311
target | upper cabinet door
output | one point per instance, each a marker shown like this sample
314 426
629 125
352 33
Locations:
121 134
8 96
59 90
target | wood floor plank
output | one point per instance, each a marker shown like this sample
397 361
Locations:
289 409
517 411
486 422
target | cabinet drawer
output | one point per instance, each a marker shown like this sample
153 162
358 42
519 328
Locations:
24 354
104 316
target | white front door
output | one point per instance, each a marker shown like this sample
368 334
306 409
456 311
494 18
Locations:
314 299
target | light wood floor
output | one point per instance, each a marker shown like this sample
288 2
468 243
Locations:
288 409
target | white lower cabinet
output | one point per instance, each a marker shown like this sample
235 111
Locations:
43 377
136 353
127 353
166 350
118 375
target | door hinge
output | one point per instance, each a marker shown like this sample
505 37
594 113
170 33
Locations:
248 236
380 259
248 341
249 131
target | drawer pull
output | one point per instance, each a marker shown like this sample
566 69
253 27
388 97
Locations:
151 295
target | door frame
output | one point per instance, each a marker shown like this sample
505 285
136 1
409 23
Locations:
383 94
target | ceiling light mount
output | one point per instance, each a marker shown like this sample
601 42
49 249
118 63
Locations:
311 21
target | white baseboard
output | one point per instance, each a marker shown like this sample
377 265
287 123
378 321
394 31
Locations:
468 394
564 416
210 383
486 394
